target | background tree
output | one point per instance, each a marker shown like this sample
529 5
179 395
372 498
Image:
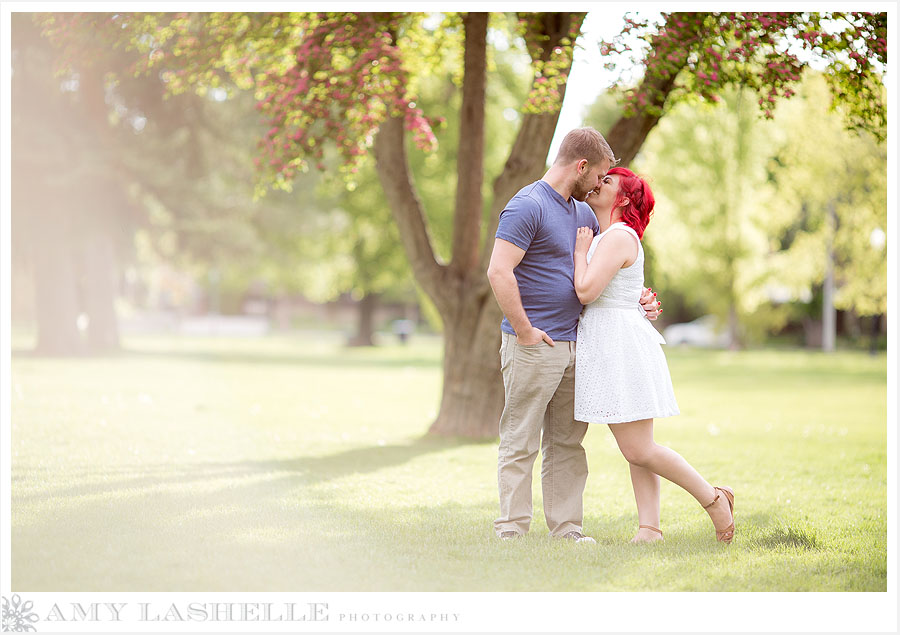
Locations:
742 221
351 80
707 166
832 188
382 268
312 71
359 251
693 56
104 161
72 217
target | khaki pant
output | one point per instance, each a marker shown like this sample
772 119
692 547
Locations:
539 382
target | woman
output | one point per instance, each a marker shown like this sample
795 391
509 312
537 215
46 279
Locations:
621 376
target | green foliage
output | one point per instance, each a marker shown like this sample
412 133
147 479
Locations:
740 220
817 166
61 159
358 246
317 77
703 53
550 72
308 74
435 172
707 170
320 79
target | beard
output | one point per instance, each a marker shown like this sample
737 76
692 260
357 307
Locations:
582 188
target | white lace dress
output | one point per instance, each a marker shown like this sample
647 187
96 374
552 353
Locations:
620 368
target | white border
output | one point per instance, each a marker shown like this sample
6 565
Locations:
524 612
490 612
892 378
5 301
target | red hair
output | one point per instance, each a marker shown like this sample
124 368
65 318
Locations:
636 214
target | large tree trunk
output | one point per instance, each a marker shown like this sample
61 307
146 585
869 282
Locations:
43 218
99 202
472 390
56 298
64 202
470 157
472 397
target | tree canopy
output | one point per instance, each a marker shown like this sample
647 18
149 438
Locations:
696 55
743 202
351 81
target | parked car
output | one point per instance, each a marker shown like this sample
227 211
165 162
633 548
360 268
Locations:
704 332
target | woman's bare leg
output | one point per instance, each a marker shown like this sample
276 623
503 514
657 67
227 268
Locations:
635 440
646 494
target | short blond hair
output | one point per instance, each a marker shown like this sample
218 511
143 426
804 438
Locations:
585 143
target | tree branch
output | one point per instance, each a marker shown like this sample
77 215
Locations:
470 161
526 163
628 134
394 174
527 158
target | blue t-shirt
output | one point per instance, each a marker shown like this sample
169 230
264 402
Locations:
540 221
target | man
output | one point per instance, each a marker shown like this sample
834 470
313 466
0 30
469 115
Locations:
531 273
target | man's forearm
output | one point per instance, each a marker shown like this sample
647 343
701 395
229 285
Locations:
506 290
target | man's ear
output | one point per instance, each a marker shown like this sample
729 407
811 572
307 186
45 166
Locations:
581 164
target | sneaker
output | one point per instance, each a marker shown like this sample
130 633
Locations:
509 535
577 536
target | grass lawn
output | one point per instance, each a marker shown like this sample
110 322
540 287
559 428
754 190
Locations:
291 463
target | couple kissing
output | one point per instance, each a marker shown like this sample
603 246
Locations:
567 270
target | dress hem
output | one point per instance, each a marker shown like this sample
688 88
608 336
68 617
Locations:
609 420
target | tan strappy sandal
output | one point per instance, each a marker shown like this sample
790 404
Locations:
633 541
725 535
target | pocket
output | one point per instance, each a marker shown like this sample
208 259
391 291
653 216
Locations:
530 353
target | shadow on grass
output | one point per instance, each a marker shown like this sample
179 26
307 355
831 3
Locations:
276 534
755 531
308 470
265 536
30 353
315 469
793 537
341 358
